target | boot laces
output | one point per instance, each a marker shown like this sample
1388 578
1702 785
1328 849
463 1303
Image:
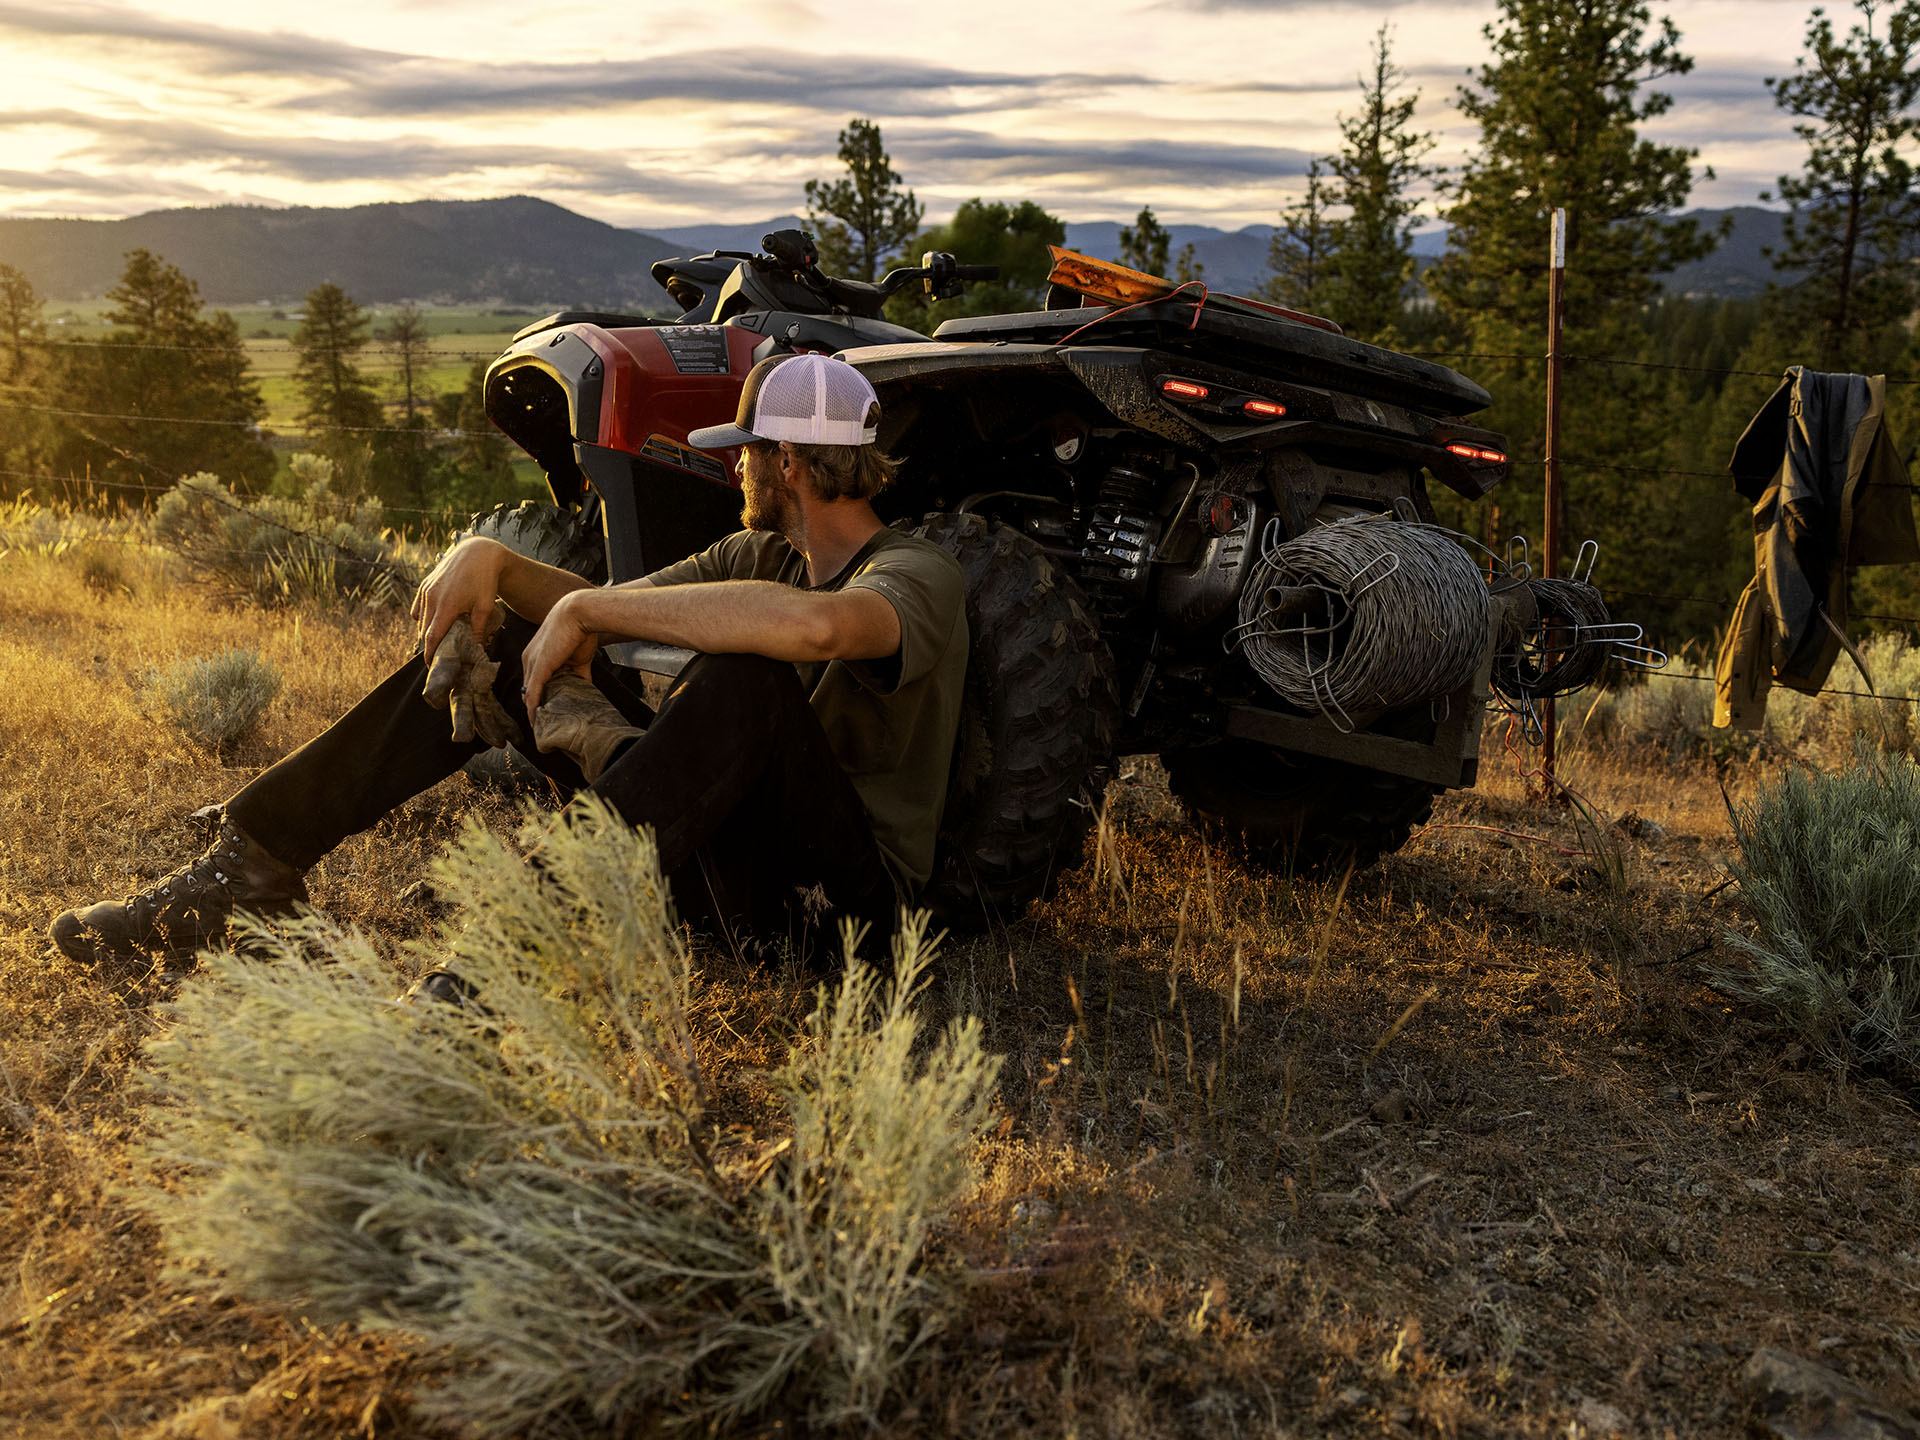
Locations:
213 869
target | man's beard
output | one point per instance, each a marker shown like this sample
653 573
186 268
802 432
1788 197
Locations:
767 497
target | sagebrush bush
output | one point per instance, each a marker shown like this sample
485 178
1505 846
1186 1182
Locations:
534 1185
1672 713
315 547
218 701
1828 869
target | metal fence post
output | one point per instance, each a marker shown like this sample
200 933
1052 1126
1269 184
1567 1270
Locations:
1550 543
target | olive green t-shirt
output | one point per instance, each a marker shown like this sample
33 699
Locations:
891 722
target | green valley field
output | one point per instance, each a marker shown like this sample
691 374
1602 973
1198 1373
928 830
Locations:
1469 1144
461 336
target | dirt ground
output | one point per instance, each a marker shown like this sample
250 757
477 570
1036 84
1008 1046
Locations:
1467 1146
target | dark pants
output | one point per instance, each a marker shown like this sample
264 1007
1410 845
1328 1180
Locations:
734 775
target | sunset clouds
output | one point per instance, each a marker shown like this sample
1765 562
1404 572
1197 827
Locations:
657 114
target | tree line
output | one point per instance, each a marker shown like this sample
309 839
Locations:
170 390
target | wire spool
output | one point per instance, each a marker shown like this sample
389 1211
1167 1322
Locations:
1565 648
1363 616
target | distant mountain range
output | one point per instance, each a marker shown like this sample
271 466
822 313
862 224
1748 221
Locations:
524 251
1236 260
516 251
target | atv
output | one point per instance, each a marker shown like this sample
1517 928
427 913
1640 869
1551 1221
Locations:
1191 525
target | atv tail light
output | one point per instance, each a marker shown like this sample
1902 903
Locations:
1184 389
1477 452
1267 409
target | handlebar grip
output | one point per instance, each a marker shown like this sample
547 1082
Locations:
976 272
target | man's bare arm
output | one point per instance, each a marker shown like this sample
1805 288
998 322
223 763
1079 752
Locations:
475 573
531 589
722 617
759 617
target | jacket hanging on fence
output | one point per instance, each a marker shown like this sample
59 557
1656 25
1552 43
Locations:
1829 491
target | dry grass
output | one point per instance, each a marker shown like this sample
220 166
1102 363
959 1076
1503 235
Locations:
1457 1148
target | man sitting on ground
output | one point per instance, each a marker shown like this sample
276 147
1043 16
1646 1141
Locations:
806 746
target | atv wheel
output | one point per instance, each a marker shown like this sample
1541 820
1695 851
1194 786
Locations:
1036 731
1297 813
569 540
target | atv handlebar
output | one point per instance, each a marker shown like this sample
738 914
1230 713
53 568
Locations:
794 252
937 271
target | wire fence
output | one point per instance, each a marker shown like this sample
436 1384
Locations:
273 347
1623 363
424 432
73 486
1855 694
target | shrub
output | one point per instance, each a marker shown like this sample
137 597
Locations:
533 1184
218 702
315 547
1827 869
1671 713
1674 716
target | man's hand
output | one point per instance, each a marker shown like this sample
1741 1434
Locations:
562 643
463 586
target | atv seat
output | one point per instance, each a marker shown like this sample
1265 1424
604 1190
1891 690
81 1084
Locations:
857 297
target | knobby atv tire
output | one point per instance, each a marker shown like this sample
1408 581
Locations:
1036 730
565 539
1298 813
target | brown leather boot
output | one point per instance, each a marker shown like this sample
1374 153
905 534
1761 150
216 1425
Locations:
186 910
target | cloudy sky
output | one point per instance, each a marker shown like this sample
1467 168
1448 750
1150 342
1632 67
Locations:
657 113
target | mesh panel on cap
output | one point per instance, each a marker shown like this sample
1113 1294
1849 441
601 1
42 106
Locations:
814 400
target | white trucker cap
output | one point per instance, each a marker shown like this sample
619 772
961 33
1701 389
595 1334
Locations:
806 399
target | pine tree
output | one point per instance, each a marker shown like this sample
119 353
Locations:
1187 267
1379 164
335 396
477 466
23 326
172 392
402 466
863 218
407 340
1855 228
1560 109
1145 243
1299 251
23 364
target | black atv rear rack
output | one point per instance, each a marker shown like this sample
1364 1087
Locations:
1267 345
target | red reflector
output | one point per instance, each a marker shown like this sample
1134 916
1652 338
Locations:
1476 452
1184 389
1271 408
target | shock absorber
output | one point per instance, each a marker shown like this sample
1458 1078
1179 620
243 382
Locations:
1123 531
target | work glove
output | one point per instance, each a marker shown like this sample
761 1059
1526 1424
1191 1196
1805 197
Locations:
460 680
576 720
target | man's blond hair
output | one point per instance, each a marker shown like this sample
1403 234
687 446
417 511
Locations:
848 472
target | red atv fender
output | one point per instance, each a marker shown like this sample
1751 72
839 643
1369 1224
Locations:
604 405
